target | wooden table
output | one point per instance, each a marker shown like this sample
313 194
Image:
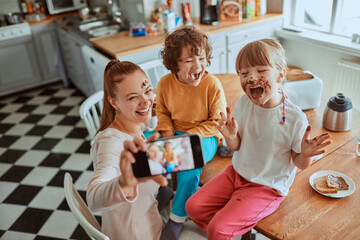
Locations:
306 214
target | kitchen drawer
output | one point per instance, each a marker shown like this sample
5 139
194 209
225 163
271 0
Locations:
249 35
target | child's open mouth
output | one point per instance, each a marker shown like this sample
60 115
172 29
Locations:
195 76
256 92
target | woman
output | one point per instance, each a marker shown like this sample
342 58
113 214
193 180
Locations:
128 205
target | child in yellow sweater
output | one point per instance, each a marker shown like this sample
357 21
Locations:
189 100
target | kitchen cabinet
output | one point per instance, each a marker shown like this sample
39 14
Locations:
46 51
235 41
19 69
84 64
95 63
218 60
73 59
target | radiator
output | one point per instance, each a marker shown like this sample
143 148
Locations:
348 81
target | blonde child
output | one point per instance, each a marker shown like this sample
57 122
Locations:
189 100
271 139
154 162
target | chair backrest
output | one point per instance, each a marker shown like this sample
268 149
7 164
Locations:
81 211
154 69
90 111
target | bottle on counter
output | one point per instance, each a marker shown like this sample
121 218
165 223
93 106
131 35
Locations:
169 18
358 147
29 6
186 14
23 7
169 21
260 7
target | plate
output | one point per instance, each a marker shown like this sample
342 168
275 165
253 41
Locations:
340 193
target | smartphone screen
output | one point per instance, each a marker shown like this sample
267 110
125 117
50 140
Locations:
179 153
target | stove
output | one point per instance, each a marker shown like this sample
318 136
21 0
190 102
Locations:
15 31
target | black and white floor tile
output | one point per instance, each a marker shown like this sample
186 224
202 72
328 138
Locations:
41 138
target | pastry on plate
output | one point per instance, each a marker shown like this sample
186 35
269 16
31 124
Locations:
321 185
336 182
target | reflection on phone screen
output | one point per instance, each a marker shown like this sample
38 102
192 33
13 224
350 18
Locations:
170 156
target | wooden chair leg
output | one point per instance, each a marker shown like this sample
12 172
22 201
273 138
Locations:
174 181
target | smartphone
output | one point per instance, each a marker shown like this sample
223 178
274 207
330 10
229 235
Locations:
167 155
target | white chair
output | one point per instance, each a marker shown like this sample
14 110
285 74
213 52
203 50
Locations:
81 211
154 69
90 111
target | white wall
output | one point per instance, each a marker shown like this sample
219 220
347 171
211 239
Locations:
320 60
7 6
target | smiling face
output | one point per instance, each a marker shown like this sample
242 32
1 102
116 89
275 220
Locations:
134 98
167 146
260 85
261 66
191 67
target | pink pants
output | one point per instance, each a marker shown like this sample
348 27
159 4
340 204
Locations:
229 206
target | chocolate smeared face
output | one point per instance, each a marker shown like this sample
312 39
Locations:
145 83
257 88
259 84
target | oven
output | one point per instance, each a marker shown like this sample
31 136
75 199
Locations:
60 6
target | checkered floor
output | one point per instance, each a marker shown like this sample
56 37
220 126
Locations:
41 138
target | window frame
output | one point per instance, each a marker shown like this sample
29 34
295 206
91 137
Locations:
293 12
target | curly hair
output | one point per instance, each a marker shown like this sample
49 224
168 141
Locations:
178 40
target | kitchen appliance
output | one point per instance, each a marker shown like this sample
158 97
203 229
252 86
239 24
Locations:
306 94
13 18
338 114
209 12
18 64
59 6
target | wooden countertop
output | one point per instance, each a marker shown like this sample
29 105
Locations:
51 18
121 44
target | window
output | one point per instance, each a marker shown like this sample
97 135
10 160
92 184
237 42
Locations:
340 17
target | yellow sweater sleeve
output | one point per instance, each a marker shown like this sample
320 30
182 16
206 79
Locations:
190 109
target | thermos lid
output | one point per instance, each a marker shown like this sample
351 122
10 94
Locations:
339 103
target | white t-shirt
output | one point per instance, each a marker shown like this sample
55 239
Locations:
264 156
122 219
156 167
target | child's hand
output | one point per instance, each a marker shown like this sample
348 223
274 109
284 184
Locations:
315 146
227 125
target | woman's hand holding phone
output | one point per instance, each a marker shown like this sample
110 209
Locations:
127 180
